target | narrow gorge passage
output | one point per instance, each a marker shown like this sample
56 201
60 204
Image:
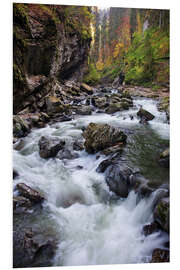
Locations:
91 225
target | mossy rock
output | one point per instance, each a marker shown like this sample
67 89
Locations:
161 214
101 136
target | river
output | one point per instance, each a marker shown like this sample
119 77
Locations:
90 227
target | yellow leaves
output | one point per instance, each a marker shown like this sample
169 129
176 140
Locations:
99 65
118 50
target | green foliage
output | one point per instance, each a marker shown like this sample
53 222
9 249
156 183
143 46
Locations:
143 54
93 75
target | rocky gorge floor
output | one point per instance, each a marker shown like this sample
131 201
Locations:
85 150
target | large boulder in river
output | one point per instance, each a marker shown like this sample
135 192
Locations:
118 180
118 176
100 136
145 115
49 147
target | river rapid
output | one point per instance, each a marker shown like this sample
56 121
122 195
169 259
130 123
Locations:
92 227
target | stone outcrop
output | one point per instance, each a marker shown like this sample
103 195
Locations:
47 50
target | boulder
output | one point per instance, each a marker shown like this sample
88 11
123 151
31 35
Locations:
83 110
86 88
29 193
118 179
101 136
161 214
160 255
150 228
21 202
49 146
115 107
32 249
99 102
55 105
164 158
20 127
143 114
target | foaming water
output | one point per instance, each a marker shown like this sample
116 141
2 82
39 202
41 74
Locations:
94 230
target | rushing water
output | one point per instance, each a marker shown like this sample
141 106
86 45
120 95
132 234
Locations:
92 229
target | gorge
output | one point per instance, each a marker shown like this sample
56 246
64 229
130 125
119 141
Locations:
90 135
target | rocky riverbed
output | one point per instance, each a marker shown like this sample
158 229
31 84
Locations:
90 172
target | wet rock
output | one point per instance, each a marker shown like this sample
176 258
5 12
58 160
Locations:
20 127
20 203
61 118
83 110
32 249
99 102
145 115
15 174
104 164
115 107
150 228
101 136
55 105
126 94
114 149
160 255
29 193
49 147
161 214
78 146
164 158
118 180
86 88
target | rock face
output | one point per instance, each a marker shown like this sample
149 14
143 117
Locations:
47 49
100 136
49 147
